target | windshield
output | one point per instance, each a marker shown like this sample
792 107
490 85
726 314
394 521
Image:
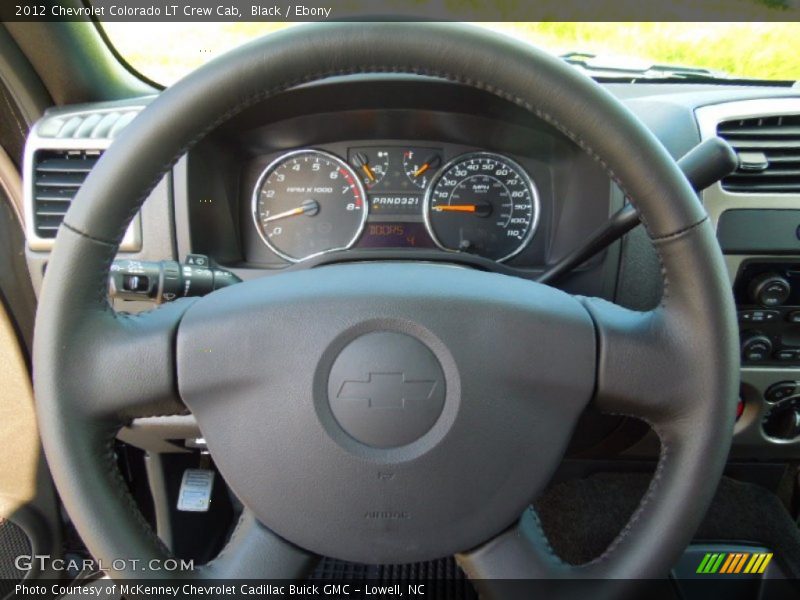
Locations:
165 52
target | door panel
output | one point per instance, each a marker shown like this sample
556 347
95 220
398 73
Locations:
29 522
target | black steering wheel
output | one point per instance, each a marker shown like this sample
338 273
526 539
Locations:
507 365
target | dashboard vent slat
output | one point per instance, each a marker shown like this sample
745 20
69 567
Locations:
784 188
60 180
768 173
785 158
769 151
57 176
765 132
753 144
65 165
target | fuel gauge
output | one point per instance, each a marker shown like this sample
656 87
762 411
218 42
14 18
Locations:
372 165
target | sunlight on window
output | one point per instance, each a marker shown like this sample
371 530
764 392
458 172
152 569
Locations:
165 52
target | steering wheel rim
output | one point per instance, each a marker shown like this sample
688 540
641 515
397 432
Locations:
674 367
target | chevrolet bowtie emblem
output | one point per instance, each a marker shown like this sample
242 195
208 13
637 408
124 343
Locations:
387 390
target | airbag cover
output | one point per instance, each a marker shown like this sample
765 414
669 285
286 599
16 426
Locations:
475 381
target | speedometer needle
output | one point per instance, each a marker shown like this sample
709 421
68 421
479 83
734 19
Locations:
309 207
455 208
481 210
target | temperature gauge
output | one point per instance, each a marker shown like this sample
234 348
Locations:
420 164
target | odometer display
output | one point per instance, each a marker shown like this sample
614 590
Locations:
307 203
484 204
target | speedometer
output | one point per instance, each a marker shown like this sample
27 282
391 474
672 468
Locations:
308 203
484 204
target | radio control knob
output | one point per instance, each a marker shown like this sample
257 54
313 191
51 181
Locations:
756 347
770 289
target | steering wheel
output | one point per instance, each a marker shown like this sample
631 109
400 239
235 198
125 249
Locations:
280 372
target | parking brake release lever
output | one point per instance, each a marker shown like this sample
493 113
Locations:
166 280
703 165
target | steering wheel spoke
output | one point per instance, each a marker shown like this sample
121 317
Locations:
521 552
255 552
658 365
640 365
111 366
130 365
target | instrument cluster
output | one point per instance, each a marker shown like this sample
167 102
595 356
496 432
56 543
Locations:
310 202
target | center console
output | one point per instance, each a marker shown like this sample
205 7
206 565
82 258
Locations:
767 294
756 213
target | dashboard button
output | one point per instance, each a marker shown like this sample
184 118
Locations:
779 391
760 316
794 316
786 355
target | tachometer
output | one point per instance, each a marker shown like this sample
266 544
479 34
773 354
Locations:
482 203
307 203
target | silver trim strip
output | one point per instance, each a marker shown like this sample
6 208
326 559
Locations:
11 183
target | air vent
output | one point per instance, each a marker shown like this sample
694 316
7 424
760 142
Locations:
58 174
769 154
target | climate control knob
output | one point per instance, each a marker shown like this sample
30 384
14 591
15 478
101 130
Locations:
782 421
756 347
770 289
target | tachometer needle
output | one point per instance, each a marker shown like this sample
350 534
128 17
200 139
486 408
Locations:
309 207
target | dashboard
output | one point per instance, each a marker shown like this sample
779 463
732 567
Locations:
391 167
